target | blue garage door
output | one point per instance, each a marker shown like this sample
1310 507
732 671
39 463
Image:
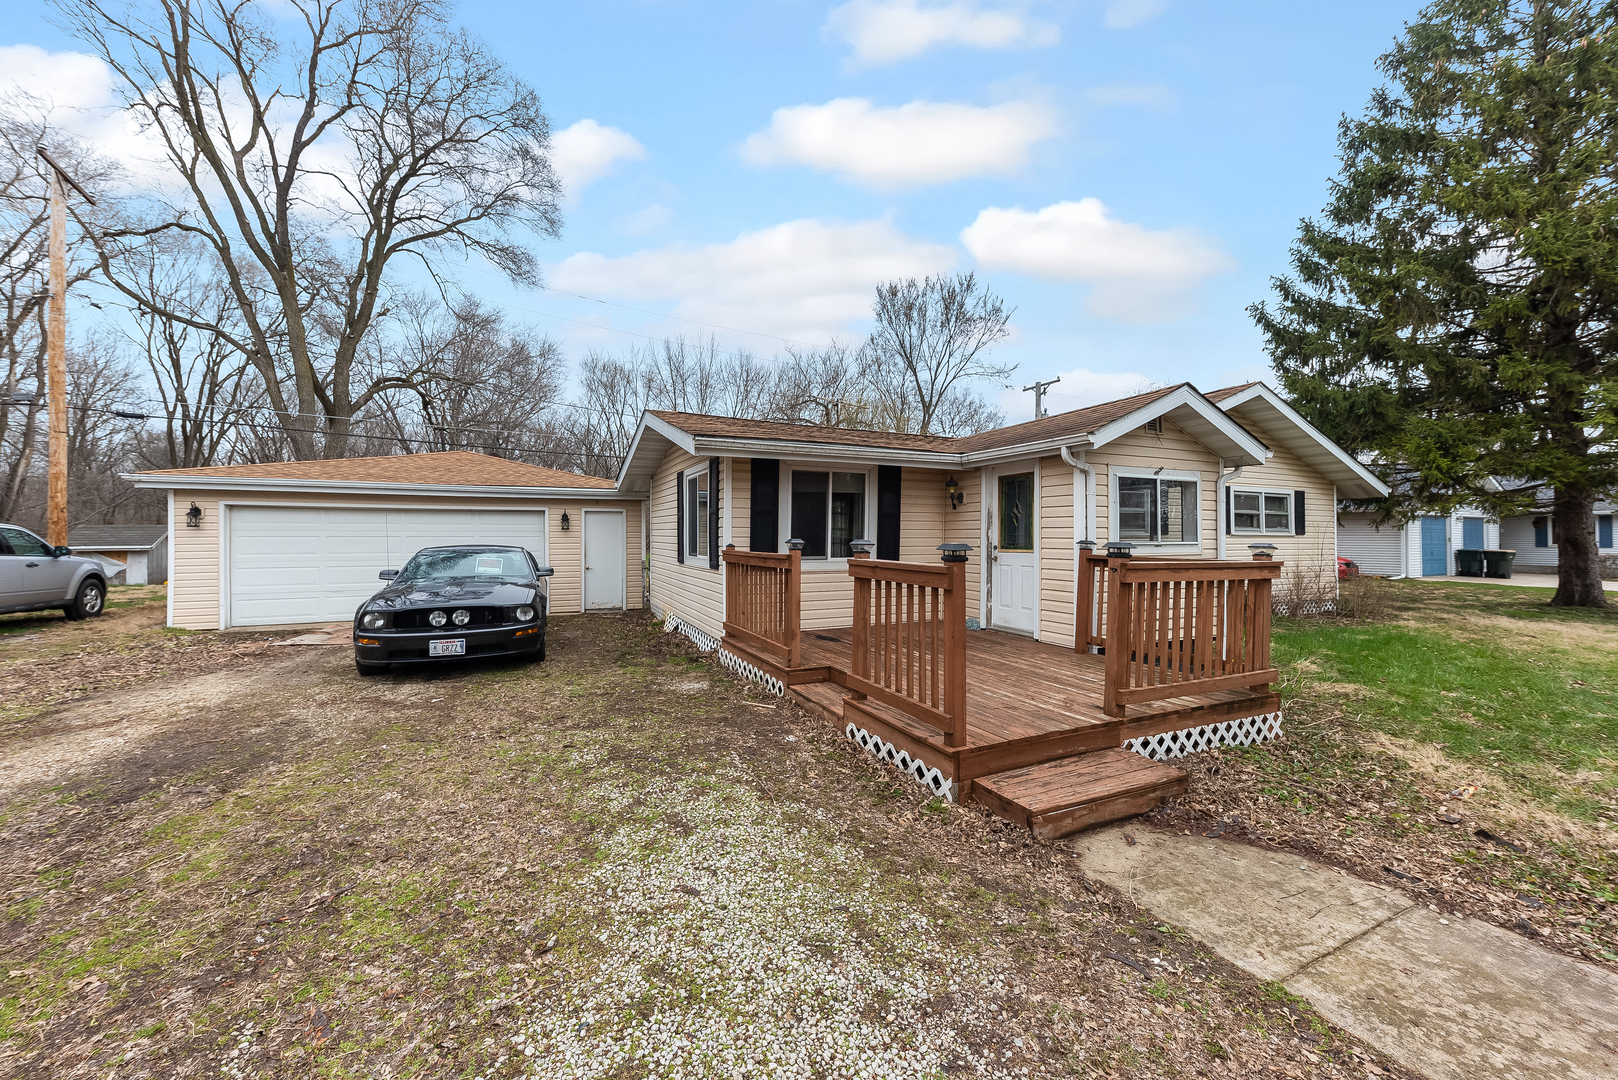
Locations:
1472 532
1434 554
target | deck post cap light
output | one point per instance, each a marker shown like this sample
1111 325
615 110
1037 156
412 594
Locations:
862 548
1262 551
954 552
1087 545
1119 549
566 521
794 544
193 517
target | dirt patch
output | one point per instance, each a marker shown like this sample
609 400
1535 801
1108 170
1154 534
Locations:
577 868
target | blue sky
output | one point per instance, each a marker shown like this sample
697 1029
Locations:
1128 174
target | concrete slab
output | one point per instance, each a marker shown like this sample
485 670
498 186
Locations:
1453 998
1466 1000
1267 913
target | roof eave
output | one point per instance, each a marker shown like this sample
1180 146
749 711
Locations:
1240 445
359 487
731 446
1355 482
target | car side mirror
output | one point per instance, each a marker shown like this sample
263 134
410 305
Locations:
58 551
388 575
544 571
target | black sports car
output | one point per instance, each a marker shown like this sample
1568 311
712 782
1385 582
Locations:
453 602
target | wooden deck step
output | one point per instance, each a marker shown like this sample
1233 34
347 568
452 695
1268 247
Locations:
1057 798
822 699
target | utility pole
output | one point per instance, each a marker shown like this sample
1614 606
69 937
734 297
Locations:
1039 395
56 355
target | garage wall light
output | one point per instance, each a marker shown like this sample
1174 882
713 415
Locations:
566 521
193 517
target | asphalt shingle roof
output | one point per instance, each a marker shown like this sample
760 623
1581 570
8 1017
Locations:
451 467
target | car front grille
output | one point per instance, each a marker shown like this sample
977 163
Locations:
417 620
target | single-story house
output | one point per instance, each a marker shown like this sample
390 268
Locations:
1422 547
302 542
140 553
1175 472
1533 537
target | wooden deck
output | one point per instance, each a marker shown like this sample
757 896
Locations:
1026 703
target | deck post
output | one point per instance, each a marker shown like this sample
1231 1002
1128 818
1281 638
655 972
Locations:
955 648
1119 638
1085 600
794 612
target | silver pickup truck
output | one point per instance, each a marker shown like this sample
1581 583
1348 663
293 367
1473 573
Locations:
37 577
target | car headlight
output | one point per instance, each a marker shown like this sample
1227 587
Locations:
374 620
462 617
438 618
524 613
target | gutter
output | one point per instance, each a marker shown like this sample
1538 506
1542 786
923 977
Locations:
1221 504
1089 471
173 482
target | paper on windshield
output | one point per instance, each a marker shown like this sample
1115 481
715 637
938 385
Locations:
491 564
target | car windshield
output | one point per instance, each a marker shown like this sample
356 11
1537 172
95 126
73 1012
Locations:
497 565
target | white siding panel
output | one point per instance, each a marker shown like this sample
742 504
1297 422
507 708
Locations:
1375 548
690 589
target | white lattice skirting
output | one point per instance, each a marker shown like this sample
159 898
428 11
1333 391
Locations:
915 768
1244 732
674 624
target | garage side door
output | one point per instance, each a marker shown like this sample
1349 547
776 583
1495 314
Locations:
295 564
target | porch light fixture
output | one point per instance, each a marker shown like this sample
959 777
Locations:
954 552
1262 551
862 548
567 523
1119 549
956 495
193 517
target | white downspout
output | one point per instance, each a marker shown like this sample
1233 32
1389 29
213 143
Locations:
1089 471
1221 526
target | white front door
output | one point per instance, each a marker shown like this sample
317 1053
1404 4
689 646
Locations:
1014 571
603 560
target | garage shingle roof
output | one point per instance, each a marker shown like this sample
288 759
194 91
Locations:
451 467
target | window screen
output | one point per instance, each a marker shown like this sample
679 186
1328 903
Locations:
828 510
696 515
1158 511
1261 511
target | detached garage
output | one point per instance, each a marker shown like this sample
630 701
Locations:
292 543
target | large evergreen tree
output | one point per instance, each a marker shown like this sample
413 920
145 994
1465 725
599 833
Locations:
1455 310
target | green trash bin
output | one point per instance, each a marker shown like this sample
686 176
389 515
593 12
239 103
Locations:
1498 563
1469 562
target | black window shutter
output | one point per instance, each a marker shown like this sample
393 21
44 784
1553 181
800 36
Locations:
889 479
1297 513
1230 517
764 511
713 513
679 516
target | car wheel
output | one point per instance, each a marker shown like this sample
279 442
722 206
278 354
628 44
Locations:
370 669
90 602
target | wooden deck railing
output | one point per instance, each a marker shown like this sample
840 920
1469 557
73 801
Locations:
910 640
763 593
1179 627
1090 616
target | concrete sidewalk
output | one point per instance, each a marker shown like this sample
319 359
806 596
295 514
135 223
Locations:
1532 581
1454 998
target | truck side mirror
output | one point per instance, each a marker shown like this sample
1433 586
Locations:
388 575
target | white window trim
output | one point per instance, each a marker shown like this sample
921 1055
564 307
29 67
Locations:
1173 546
1237 530
785 508
694 556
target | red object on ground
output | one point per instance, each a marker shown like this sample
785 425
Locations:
1347 568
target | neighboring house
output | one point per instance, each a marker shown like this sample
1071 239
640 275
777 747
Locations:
1175 472
302 542
139 553
1423 547
1533 537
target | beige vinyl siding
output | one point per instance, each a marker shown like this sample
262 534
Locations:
1056 552
964 525
740 472
1174 451
689 590
195 581
1313 556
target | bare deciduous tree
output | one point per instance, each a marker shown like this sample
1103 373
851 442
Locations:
315 145
937 333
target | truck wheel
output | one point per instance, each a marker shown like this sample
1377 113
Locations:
90 602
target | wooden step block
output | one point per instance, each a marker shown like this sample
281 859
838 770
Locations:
822 699
1057 798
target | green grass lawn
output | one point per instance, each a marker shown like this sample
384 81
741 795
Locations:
1491 672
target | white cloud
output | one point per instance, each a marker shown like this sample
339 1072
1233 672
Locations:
922 142
887 31
807 280
1124 14
68 80
1138 274
586 151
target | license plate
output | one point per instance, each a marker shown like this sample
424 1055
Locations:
448 647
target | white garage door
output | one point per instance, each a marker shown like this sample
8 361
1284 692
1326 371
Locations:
296 564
